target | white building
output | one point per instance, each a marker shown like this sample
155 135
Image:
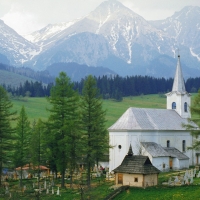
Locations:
157 133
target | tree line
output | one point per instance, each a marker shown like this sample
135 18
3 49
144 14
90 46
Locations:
74 133
110 87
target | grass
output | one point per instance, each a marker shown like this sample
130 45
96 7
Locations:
37 107
160 192
100 188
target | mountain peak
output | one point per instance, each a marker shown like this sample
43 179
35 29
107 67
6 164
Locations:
108 8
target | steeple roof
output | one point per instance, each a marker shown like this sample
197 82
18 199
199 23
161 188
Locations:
130 151
179 85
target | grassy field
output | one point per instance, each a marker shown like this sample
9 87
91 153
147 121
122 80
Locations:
161 192
37 107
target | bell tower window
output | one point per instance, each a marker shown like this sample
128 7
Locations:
168 143
185 106
183 145
174 105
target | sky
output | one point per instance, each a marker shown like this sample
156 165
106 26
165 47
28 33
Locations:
27 16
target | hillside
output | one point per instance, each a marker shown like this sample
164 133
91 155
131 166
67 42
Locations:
12 79
37 107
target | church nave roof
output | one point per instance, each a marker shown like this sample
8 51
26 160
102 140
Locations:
149 119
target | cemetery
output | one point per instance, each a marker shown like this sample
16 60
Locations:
47 186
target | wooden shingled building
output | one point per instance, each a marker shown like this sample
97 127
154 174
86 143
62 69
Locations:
136 170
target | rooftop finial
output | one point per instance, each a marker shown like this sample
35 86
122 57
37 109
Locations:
178 53
130 151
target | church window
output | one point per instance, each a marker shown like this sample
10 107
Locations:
168 143
185 107
183 146
174 105
119 146
163 165
136 180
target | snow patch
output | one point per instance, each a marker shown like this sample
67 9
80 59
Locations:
195 55
102 23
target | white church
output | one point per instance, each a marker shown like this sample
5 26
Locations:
157 133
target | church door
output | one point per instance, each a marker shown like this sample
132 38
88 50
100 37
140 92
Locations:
120 178
170 163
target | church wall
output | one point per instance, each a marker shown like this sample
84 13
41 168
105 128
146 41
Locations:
175 163
184 164
161 163
135 137
119 142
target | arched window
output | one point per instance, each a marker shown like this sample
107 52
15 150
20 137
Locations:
168 143
183 145
185 106
174 105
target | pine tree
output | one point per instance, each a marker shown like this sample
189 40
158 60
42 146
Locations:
63 123
22 141
36 148
195 131
94 131
6 131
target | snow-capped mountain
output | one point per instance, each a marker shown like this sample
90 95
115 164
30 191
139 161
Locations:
45 37
184 26
123 33
14 47
115 37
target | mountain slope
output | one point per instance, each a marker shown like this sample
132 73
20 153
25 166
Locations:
114 37
77 72
184 26
14 47
122 32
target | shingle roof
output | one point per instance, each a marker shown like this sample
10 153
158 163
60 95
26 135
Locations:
173 152
149 119
136 164
154 149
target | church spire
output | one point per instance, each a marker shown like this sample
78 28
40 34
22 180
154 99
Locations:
179 99
178 85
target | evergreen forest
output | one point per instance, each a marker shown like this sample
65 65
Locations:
110 87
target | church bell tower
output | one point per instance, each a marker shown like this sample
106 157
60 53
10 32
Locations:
178 99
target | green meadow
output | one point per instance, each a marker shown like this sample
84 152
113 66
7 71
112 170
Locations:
37 107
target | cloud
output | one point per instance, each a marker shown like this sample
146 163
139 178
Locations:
23 23
20 20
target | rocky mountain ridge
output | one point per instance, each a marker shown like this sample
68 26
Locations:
115 37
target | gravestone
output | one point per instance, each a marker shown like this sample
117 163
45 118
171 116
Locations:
52 190
58 191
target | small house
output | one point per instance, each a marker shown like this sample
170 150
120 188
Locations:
136 170
165 158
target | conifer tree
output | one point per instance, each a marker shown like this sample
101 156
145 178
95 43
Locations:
194 128
22 141
63 122
94 130
36 146
6 131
